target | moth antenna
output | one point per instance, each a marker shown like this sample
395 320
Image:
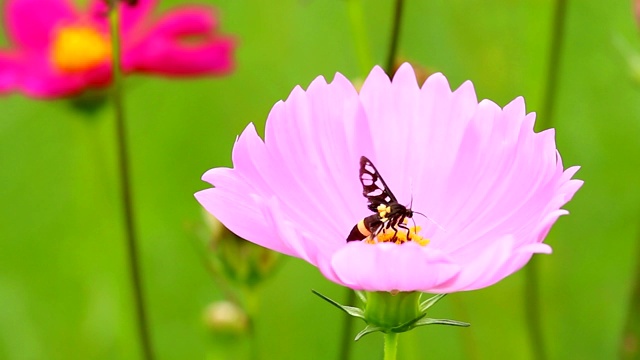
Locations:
430 219
411 192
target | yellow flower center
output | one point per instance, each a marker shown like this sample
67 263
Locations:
399 236
78 48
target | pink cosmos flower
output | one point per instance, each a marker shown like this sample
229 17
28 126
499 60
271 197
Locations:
492 184
59 50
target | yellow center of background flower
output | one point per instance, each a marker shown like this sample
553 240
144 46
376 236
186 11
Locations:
79 48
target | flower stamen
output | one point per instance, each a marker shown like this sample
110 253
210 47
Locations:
78 48
399 235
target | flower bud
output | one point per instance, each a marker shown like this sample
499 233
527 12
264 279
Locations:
238 260
226 317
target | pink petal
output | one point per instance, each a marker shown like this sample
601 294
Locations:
302 243
169 57
9 71
387 104
245 219
481 267
265 176
304 136
325 267
39 80
538 248
519 258
508 194
540 233
439 134
245 183
387 267
164 48
184 21
30 23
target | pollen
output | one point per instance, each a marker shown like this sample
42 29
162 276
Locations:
383 210
78 48
399 236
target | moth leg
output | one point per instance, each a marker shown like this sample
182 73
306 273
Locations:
403 226
395 234
395 231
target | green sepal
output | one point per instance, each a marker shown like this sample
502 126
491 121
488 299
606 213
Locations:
428 321
350 310
430 302
408 325
397 329
368 330
373 323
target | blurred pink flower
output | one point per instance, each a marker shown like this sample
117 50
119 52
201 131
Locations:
479 170
59 50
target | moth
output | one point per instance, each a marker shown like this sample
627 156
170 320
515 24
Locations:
389 214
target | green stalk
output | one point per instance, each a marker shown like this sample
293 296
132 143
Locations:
532 312
251 309
356 18
553 67
395 35
630 342
346 338
390 346
532 287
125 183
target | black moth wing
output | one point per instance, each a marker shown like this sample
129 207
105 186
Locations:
373 186
376 190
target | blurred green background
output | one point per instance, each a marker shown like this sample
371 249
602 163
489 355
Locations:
64 286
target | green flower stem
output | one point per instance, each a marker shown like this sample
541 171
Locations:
125 184
251 309
395 36
359 30
390 345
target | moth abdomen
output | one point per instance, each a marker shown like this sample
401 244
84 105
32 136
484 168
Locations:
364 228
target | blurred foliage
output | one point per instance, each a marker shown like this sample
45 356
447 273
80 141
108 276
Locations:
64 286
239 263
